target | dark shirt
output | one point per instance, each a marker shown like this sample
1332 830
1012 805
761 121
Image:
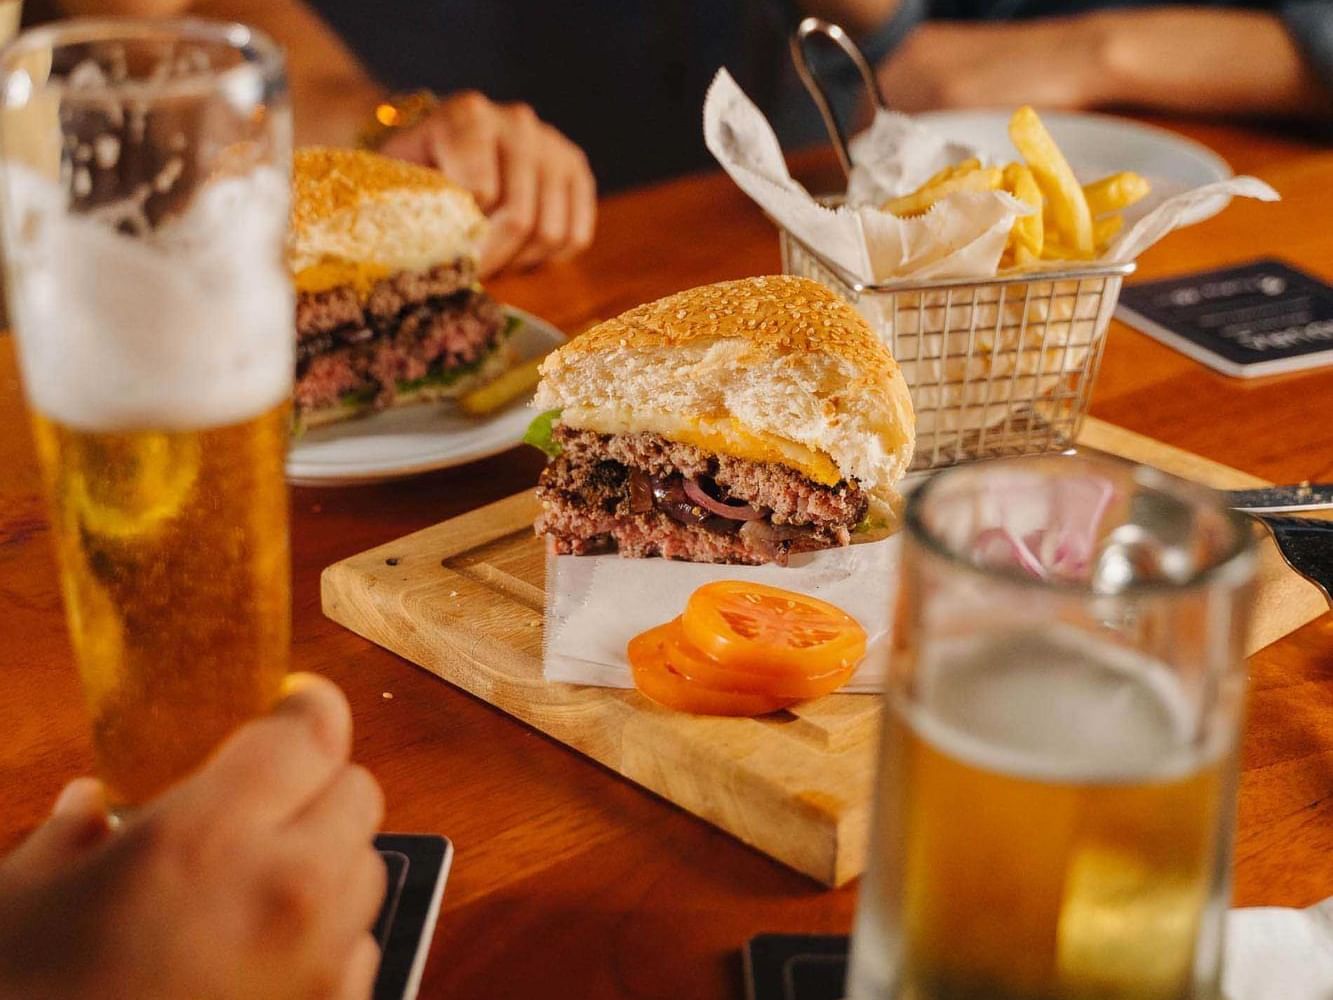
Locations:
625 79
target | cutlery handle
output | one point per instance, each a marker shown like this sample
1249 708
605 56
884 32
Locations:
1305 496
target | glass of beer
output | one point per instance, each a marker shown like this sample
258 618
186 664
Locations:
145 198
1057 776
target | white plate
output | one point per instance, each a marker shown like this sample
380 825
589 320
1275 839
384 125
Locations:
421 438
1097 145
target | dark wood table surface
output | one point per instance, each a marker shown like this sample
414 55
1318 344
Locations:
570 882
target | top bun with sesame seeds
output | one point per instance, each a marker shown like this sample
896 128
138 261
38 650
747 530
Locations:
350 205
767 369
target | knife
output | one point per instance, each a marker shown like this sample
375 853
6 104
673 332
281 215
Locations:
1284 499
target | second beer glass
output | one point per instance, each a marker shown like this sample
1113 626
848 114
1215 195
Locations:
1057 776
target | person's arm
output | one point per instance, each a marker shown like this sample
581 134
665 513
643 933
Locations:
1235 63
255 877
332 94
535 185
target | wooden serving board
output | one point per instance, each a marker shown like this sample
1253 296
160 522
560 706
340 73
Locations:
465 600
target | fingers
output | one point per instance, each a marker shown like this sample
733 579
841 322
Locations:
83 799
535 184
465 144
78 823
514 221
346 813
583 206
270 769
363 965
554 213
359 893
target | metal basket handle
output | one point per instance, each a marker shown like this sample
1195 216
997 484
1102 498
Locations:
805 69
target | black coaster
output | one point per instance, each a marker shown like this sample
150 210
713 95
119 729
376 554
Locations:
795 966
1262 318
418 866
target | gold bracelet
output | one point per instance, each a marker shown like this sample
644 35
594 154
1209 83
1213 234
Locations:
398 111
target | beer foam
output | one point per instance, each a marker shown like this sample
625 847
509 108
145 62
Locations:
1044 706
185 327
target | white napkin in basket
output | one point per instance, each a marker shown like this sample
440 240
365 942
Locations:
895 155
596 604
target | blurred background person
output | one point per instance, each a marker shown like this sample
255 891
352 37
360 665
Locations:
534 184
625 80
1238 58
255 879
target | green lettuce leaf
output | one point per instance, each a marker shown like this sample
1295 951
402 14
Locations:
540 436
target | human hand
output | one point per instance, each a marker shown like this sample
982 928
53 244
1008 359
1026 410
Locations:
1051 63
535 184
255 878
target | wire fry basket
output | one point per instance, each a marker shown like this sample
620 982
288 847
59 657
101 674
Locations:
996 366
1000 366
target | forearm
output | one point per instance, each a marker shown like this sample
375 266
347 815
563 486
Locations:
332 94
1203 61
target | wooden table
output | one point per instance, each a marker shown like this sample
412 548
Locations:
571 882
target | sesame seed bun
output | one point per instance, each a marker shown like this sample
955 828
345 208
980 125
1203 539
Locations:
779 358
363 208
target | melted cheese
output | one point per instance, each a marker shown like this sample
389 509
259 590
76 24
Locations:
332 273
720 435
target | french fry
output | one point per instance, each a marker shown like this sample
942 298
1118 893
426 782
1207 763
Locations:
1111 194
1105 229
920 200
1029 231
505 389
956 170
1055 249
1068 206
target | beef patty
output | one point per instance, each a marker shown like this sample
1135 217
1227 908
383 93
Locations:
627 493
411 326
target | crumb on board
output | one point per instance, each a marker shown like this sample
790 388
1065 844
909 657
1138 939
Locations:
387 696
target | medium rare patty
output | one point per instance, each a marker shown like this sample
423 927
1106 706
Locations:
631 493
327 310
411 326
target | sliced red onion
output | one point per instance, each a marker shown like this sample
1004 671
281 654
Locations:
735 512
997 546
669 497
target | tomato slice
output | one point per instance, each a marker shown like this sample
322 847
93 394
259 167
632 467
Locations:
756 627
686 659
659 666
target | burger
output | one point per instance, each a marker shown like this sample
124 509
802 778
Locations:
740 422
388 307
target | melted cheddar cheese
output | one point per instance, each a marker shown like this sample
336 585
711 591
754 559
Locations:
333 273
720 435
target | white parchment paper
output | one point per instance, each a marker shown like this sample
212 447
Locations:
962 236
596 604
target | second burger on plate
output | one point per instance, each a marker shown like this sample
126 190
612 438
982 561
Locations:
740 422
389 310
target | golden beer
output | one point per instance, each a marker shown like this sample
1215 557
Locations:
176 577
1042 835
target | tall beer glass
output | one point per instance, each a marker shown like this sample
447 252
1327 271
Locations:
1057 775
145 203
